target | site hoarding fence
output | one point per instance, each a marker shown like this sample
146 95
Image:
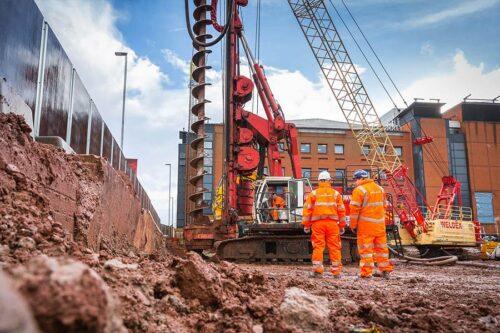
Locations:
35 65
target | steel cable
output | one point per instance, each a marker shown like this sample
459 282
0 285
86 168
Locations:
364 55
437 261
376 55
229 15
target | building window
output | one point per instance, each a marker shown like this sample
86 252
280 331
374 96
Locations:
339 149
281 146
306 172
322 148
265 171
484 207
207 144
366 150
283 170
381 149
398 150
323 169
339 173
305 147
208 169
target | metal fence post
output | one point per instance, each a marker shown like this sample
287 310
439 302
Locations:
40 79
102 137
71 105
89 127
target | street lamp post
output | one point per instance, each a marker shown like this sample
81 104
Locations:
123 54
169 190
172 214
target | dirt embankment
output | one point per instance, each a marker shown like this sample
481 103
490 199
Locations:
73 268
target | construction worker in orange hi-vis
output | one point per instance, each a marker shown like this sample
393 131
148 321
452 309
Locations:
324 214
277 204
367 216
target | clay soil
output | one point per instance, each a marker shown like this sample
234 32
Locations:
70 286
414 299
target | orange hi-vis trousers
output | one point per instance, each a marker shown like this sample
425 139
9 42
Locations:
326 232
373 249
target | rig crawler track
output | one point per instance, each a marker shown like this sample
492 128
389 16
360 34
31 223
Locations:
276 249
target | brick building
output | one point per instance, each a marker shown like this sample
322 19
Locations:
464 144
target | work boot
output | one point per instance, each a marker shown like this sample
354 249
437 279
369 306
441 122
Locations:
383 274
316 275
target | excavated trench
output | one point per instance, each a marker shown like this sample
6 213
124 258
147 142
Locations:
79 255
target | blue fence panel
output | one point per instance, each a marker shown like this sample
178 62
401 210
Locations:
56 99
20 35
80 117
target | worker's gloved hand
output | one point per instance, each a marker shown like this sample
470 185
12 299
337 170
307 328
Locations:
307 230
341 231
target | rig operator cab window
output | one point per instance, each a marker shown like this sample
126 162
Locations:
280 200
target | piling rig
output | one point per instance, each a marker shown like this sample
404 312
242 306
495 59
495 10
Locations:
251 139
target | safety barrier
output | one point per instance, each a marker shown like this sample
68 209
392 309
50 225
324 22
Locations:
34 64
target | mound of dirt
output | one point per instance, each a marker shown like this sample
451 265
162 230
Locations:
71 254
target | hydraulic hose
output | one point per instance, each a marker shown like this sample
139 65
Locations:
438 261
229 16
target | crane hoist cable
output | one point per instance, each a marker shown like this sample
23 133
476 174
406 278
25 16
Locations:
431 150
374 53
257 46
229 15
364 55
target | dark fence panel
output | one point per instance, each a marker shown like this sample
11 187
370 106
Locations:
116 155
122 162
56 90
95 132
106 149
80 117
20 36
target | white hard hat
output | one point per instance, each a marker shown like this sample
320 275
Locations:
324 175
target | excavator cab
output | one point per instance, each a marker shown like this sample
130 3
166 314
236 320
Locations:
291 193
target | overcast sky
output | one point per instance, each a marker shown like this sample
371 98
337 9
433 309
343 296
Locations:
442 49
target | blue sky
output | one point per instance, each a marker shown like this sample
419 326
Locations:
443 49
413 37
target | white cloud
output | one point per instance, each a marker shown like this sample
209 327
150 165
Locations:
173 59
426 49
465 78
464 8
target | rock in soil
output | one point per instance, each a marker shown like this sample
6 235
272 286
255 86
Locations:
304 310
15 315
199 280
67 296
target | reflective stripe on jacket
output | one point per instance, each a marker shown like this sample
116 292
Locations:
367 204
324 203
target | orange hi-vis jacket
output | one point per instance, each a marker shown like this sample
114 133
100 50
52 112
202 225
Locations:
324 203
367 207
278 203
